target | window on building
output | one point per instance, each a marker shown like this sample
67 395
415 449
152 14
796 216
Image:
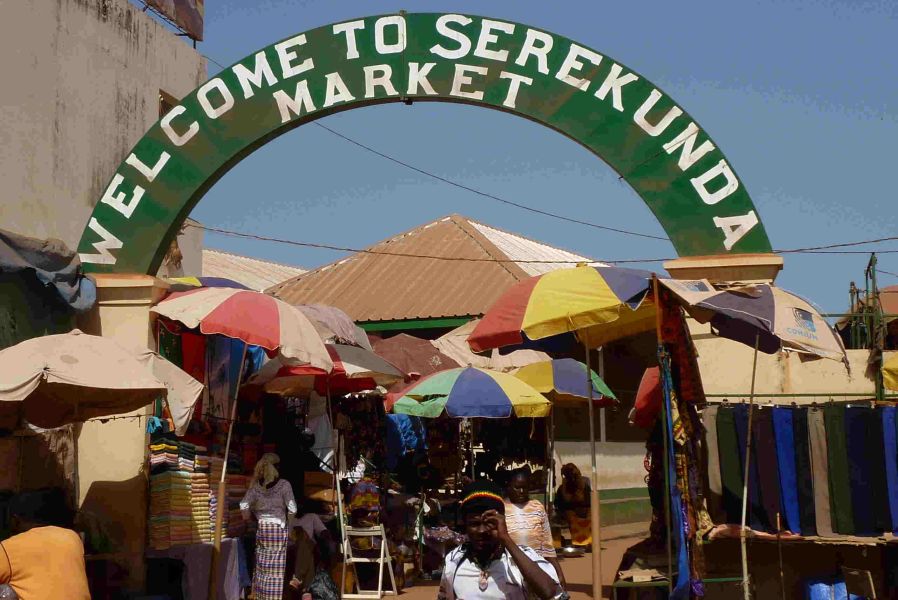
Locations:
166 103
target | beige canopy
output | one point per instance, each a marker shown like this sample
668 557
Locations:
58 379
455 345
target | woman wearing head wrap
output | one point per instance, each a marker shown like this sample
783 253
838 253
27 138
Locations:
490 566
269 499
572 501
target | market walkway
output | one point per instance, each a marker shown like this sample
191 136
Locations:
578 571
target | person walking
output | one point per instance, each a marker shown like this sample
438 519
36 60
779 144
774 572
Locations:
41 562
490 565
269 500
528 521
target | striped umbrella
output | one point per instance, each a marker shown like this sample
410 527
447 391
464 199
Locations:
597 304
355 370
471 392
256 318
563 380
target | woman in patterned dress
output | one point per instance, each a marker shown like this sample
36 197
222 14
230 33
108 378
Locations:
270 500
527 520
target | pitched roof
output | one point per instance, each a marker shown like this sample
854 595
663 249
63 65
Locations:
252 272
386 287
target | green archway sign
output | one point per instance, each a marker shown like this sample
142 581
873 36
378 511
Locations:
589 97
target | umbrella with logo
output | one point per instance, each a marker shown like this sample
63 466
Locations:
767 318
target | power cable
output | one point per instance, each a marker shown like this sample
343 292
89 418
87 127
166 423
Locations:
486 194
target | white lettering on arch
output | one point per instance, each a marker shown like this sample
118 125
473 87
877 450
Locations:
689 155
639 117
538 45
514 85
287 57
735 228
487 37
150 173
464 43
379 76
380 43
178 139
226 100
417 76
614 83
119 200
463 78
336 90
107 242
295 106
249 79
572 64
730 184
348 29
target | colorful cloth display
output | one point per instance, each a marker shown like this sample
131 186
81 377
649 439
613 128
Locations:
827 471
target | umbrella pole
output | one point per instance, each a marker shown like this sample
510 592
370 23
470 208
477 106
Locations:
746 588
664 420
594 491
219 512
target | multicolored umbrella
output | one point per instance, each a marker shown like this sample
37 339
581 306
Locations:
563 380
598 304
256 318
355 370
773 317
472 392
335 326
183 284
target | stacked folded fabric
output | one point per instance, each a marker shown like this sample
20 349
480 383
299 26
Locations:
171 510
186 457
235 490
163 456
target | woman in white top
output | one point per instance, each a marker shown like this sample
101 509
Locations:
270 500
490 566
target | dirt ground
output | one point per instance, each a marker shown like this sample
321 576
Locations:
578 571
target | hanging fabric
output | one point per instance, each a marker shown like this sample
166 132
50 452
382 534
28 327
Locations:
804 472
713 468
768 465
877 466
820 470
890 450
682 587
839 482
756 515
730 464
783 431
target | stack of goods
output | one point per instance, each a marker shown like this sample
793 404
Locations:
216 466
170 510
179 495
163 456
234 493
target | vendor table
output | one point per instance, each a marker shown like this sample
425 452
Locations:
197 559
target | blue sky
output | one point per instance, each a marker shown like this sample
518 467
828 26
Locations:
799 95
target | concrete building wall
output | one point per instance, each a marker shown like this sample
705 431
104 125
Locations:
81 86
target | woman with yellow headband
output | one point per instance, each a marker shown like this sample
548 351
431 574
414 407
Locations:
490 566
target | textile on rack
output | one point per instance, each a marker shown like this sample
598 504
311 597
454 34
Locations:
866 470
879 485
839 481
804 472
890 446
784 432
756 518
714 495
768 467
820 470
730 463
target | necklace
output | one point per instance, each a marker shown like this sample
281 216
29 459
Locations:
484 581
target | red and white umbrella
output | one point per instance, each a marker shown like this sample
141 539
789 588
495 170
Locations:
355 370
256 318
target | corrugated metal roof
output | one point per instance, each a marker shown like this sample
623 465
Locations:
381 287
252 272
526 250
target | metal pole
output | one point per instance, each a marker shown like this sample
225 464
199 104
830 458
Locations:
602 429
594 491
219 512
779 546
664 421
746 586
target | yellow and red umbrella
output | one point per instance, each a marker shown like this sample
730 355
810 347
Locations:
598 304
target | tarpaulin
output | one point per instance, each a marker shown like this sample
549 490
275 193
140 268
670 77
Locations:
52 263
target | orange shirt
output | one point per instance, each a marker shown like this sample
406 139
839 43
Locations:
45 563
